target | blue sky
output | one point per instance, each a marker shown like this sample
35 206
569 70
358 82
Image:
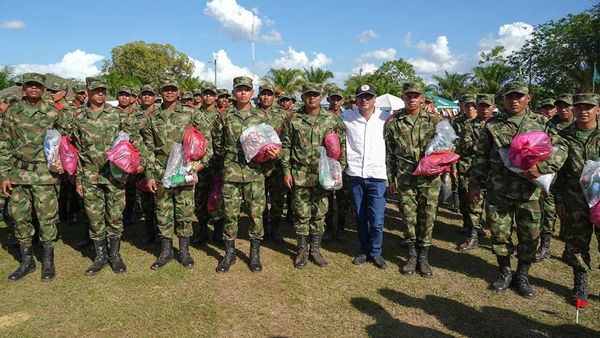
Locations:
71 38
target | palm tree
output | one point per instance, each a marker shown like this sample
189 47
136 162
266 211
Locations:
191 84
6 77
316 75
284 79
491 78
452 85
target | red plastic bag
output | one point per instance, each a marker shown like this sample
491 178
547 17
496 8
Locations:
124 156
435 164
68 155
595 215
529 149
142 185
194 145
261 157
215 195
332 145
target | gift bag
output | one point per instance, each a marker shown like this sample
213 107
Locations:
435 164
256 140
215 195
590 182
179 173
142 185
52 152
595 215
194 145
544 181
529 149
443 141
68 155
330 171
123 154
445 188
332 145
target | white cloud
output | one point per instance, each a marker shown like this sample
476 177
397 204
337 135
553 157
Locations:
364 69
237 21
13 25
226 70
77 64
437 57
367 35
298 59
377 55
512 36
407 39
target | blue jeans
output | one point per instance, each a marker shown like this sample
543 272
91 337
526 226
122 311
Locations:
368 196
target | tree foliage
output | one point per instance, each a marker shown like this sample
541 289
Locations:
6 77
452 85
284 79
386 79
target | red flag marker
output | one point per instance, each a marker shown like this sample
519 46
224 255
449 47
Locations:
579 303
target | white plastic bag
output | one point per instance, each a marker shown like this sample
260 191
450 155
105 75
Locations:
544 181
444 138
116 172
178 173
256 137
330 171
445 188
590 182
51 152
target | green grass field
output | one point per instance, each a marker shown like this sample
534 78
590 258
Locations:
340 300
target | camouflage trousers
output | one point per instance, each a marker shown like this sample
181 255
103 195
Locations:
43 199
275 189
234 193
462 191
418 208
310 206
174 210
104 204
338 200
503 216
577 234
548 213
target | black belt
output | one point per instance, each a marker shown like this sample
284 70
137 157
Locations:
26 165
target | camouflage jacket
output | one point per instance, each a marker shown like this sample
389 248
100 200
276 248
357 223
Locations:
301 136
405 142
22 159
93 135
555 125
488 169
210 116
226 140
459 123
166 127
580 149
467 144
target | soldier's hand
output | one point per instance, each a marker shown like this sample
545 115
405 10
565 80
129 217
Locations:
454 173
561 210
531 173
6 188
474 195
79 189
288 180
273 153
392 188
152 185
200 167
140 170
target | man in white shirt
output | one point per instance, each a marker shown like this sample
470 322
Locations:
365 148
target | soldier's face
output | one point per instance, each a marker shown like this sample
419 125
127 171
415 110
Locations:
564 110
148 99
58 95
3 107
312 100
97 96
169 94
208 98
123 98
223 101
484 110
549 111
585 113
243 94
80 96
266 98
470 109
412 101
515 103
33 90
197 99
335 102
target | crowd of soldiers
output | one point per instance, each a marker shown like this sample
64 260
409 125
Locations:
489 194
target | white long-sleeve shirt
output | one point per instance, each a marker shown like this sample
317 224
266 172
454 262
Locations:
365 145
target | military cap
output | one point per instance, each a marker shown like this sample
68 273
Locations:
208 87
222 92
169 81
412 87
135 92
187 95
57 86
78 88
242 81
125 89
284 96
148 88
93 82
351 98
364 89
335 91
515 87
566 98
33 77
488 99
311 87
585 98
547 102
232 99
266 86
468 98
428 99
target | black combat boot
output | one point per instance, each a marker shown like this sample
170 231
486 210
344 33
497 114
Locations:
27 264
504 274
83 243
411 263
150 232
201 236
315 251
255 264
521 281
229 258
114 255
580 289
544 249
166 253
101 258
472 241
217 236
302 254
48 270
423 262
184 252
276 235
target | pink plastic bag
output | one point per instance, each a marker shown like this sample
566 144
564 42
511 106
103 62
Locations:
194 145
261 157
124 156
215 195
435 164
529 149
68 155
256 140
332 145
595 215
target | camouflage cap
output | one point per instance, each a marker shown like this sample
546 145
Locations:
208 87
222 92
242 81
266 86
311 87
93 82
186 95
125 89
468 98
78 88
33 77
488 99
148 88
335 91
169 81
515 87
585 98
547 102
57 86
135 92
566 98
428 99
412 87
284 96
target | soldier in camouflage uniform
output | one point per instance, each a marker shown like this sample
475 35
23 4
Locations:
583 142
223 99
304 131
174 206
467 147
186 98
242 181
560 121
547 108
94 132
510 196
79 96
197 98
406 136
284 100
25 175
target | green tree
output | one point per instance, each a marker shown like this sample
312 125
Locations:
452 85
114 82
6 77
388 78
148 63
398 71
316 75
284 79
492 72
191 84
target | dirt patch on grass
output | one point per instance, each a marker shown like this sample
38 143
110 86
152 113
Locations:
13 319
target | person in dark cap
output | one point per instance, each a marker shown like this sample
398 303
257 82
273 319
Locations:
547 108
59 92
197 98
285 102
223 99
79 96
